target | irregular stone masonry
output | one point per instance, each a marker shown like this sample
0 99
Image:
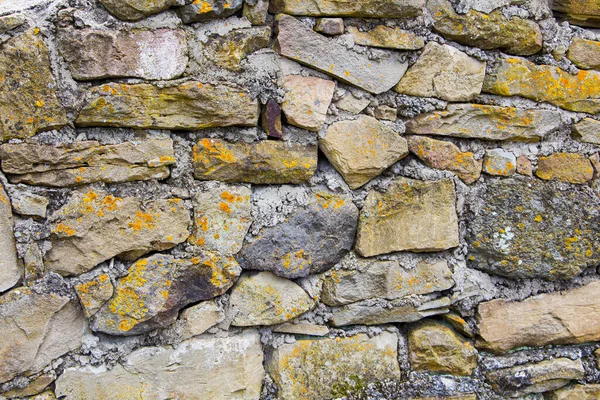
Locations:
299 199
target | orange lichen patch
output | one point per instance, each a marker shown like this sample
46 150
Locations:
327 200
167 160
224 207
64 229
296 261
202 222
200 241
208 149
566 167
142 221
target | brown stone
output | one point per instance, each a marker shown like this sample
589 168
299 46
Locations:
387 38
587 391
358 9
330 26
133 10
524 166
565 167
585 54
271 119
306 101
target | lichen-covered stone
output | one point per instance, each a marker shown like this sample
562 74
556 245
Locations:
297 368
266 299
29 103
358 9
10 271
436 347
499 162
199 318
587 130
94 293
565 167
444 72
228 51
579 12
537 377
36 329
306 101
187 106
386 37
312 238
134 10
533 229
545 83
361 149
87 162
95 226
364 278
411 215
569 317
330 26
588 391
585 54
300 43
156 288
27 203
205 368
11 21
444 155
262 162
477 121
256 12
486 31
201 10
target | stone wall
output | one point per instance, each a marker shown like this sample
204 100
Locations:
299 199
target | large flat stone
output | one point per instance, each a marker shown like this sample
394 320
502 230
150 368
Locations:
587 391
476 121
300 43
569 317
532 229
95 226
10 271
565 167
100 54
87 162
359 9
187 106
585 54
411 215
579 12
133 10
206 368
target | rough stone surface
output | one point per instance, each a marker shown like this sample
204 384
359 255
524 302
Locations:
435 347
444 72
187 106
296 367
302 328
445 155
533 229
209 368
306 101
10 271
230 50
579 12
271 119
200 318
263 162
330 26
257 12
524 166
576 392
486 31
361 149
362 9
87 162
34 387
587 130
475 121
352 104
133 10
201 10
552 318
299 43
411 215
386 37
26 203
585 54
565 167
94 293
266 299
95 226
499 162
386 113
544 83
312 239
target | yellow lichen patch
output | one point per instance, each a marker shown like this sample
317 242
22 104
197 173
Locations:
224 207
64 229
296 261
142 221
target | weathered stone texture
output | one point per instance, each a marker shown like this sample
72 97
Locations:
499 162
306 101
579 12
587 130
585 54
411 215
228 51
256 12
199 318
133 10
94 293
270 118
388 38
27 203
201 10
359 9
330 26
565 167
588 391
532 229
10 271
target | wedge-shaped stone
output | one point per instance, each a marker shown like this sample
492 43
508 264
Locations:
95 226
444 72
579 12
361 149
312 238
356 279
411 215
156 288
306 101
565 167
263 162
297 368
486 31
385 37
87 162
587 130
553 318
133 10
544 83
28 98
475 121
201 10
533 229
300 43
10 271
36 329
100 54
585 54
266 299
205 368
440 154
359 9
577 392
187 106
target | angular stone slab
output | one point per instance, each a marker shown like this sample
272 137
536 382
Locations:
87 162
100 54
569 317
534 229
262 162
358 9
187 106
206 368
201 10
579 12
134 10
411 215
156 288
297 368
565 167
306 101
544 83
387 38
587 130
476 121
585 54
94 227
300 43
10 271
